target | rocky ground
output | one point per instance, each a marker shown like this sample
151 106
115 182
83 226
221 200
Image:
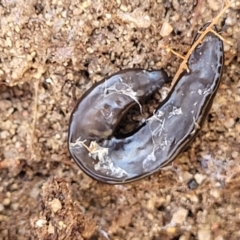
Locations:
52 51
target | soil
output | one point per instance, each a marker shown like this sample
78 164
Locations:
51 53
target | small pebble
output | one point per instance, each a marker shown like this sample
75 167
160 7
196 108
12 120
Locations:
204 234
229 123
199 178
171 230
1 207
193 198
6 201
180 216
55 205
185 176
219 238
166 29
15 206
151 204
215 193
40 222
51 229
183 237
192 184
235 154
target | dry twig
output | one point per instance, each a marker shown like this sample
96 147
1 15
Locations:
183 65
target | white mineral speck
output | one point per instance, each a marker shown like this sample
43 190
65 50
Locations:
215 193
204 234
180 216
55 205
199 178
166 29
40 222
228 123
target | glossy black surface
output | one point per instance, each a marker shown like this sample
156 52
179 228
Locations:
164 135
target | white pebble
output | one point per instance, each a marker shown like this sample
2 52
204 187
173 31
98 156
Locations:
166 29
40 222
199 178
204 234
55 205
179 217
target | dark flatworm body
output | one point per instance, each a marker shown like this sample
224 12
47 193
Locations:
162 137
100 109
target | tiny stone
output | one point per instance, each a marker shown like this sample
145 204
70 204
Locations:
204 234
3 218
6 201
9 42
219 238
228 123
230 20
215 193
64 14
123 8
151 204
17 29
48 80
166 29
183 237
62 225
237 127
175 17
15 206
199 178
171 230
34 193
90 50
193 198
85 4
40 222
51 229
4 134
192 184
179 217
55 205
235 154
14 187
1 207
185 176
150 216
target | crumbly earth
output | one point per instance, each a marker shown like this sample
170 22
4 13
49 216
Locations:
51 52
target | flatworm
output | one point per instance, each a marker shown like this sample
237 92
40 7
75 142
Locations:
159 140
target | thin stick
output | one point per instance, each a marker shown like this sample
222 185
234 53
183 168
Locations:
219 36
35 109
175 53
208 29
